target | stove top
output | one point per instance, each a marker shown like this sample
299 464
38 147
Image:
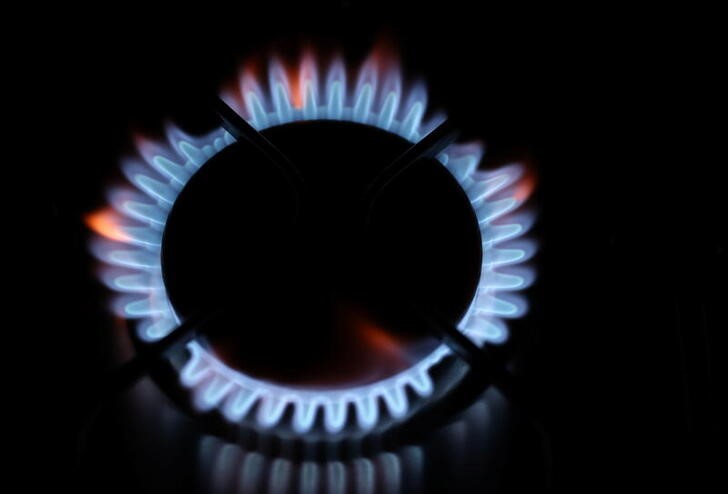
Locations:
224 384
320 271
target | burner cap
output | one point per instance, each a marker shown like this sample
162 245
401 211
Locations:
314 296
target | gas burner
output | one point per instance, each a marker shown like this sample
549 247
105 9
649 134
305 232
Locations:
276 237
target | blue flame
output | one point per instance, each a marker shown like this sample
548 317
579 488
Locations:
225 465
131 248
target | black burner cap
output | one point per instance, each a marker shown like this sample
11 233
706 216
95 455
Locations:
314 295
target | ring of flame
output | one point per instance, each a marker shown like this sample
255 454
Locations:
130 236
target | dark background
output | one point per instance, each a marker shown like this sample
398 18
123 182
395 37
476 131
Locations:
626 351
